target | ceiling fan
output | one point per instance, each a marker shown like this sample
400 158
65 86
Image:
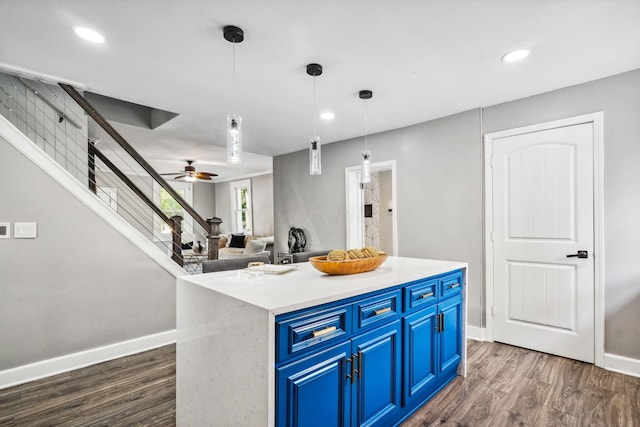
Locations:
189 174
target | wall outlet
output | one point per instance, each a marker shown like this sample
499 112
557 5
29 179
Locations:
25 230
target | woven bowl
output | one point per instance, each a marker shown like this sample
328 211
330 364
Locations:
349 266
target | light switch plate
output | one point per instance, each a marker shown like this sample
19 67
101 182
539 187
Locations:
25 230
5 230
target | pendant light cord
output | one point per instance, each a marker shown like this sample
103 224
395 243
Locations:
234 79
315 110
365 126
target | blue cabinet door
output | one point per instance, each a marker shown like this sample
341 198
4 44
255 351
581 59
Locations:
376 392
315 391
450 336
420 356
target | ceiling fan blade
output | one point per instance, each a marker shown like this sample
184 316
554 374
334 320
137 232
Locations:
208 173
172 173
179 177
200 175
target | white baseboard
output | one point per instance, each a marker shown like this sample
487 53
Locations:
69 362
622 365
476 333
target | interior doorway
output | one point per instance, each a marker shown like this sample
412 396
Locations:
544 251
371 208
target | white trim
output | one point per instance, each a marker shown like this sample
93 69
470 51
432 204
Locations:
476 333
597 119
81 359
245 176
351 174
34 75
355 225
234 186
622 365
30 150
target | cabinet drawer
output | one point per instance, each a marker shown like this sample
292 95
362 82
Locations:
421 294
451 285
376 310
311 330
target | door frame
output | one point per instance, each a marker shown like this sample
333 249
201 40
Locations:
597 119
354 200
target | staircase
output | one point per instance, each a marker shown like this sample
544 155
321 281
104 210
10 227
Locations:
53 118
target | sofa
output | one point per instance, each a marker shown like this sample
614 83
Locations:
304 256
210 266
238 246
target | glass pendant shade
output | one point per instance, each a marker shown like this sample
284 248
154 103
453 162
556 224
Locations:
365 171
315 161
234 139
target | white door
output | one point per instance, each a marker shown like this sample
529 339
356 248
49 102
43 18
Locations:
542 185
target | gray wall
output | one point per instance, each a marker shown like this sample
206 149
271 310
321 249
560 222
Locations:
262 194
438 168
80 284
204 199
223 205
619 97
439 200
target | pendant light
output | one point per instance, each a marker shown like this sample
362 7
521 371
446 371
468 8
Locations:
234 122
365 171
315 161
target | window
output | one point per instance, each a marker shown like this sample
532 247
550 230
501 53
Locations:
171 207
242 217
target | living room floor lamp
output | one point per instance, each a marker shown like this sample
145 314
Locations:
315 161
365 172
234 122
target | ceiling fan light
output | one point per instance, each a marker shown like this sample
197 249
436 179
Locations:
189 178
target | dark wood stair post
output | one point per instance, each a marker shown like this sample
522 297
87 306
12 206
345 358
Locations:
214 237
176 252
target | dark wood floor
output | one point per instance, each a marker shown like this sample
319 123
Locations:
506 386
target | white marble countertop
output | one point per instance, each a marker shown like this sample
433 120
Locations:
306 287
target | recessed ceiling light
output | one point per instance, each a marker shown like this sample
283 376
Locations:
516 55
327 115
89 34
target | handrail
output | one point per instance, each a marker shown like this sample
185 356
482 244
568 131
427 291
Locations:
130 184
86 106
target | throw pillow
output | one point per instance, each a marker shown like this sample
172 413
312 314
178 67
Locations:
255 246
187 245
222 243
237 241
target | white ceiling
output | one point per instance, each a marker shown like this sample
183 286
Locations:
422 59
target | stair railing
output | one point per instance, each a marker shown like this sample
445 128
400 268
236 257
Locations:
211 225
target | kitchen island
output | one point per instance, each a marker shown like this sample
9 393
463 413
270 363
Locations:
296 348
